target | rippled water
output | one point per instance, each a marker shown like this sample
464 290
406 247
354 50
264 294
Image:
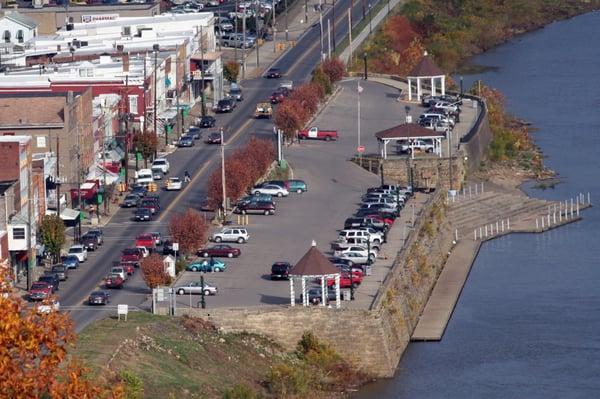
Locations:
527 324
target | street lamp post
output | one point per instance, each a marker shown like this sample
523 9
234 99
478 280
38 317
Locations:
155 48
370 24
333 26
202 300
202 100
223 174
286 21
365 61
461 86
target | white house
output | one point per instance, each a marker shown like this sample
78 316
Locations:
17 28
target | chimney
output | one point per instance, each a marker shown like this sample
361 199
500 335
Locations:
125 58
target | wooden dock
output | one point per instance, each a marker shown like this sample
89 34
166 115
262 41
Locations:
477 219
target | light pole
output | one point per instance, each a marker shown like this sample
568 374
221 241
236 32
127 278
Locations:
365 61
155 48
274 24
333 27
286 21
370 24
359 89
461 87
202 101
321 32
223 174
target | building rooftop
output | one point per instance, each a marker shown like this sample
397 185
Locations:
11 139
21 19
31 110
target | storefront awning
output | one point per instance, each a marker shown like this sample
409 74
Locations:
98 172
69 214
168 114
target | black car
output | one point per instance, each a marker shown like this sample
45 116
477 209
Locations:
342 261
98 233
139 190
315 295
168 248
185 141
214 138
207 121
143 215
52 279
89 242
99 298
61 271
194 132
273 73
353 222
225 105
130 201
280 270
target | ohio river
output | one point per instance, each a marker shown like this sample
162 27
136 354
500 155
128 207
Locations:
527 324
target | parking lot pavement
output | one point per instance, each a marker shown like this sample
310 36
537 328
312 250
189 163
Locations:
335 186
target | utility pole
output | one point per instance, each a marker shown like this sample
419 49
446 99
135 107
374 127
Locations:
202 102
155 48
223 174
30 253
104 165
57 176
305 11
257 35
145 90
350 32
321 33
244 45
329 38
78 187
449 137
235 54
286 22
274 29
358 90
333 29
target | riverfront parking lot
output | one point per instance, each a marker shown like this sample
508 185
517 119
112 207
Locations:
335 186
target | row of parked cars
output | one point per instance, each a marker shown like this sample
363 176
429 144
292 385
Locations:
49 283
358 244
442 113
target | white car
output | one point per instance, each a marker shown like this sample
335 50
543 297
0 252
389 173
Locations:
356 258
144 251
174 183
51 307
162 164
79 251
357 249
421 145
120 271
196 287
231 234
271 189
375 238
144 176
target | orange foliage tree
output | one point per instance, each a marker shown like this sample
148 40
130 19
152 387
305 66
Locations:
334 68
33 352
153 271
309 95
145 143
189 230
290 117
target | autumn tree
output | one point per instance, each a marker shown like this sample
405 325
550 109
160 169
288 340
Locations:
52 230
33 352
309 96
334 69
290 117
320 77
154 272
145 143
189 230
231 70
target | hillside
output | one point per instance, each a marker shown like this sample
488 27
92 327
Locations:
164 357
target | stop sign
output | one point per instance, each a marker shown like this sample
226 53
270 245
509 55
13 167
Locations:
360 149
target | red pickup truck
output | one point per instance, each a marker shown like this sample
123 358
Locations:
316 134
131 255
146 240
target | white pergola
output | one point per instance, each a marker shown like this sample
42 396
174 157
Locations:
409 132
426 70
314 265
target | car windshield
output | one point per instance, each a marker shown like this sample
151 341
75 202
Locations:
38 286
75 250
130 251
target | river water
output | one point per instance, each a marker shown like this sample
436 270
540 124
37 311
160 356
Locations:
527 324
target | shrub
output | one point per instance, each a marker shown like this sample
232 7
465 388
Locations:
320 78
133 384
240 391
290 117
153 271
283 380
334 69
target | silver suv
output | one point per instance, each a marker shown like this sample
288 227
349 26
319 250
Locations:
231 234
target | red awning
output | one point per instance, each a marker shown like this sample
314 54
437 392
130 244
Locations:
88 190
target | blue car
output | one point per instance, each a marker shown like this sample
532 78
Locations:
70 261
207 266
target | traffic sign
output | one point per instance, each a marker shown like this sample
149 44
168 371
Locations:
360 149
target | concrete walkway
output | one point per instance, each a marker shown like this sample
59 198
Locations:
476 218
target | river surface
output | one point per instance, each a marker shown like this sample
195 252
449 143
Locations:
527 324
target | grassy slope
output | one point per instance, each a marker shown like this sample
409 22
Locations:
176 361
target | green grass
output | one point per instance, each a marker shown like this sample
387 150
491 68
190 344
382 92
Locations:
359 27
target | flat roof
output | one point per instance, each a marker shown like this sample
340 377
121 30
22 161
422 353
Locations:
11 139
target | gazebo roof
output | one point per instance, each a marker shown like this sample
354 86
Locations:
313 263
426 68
408 131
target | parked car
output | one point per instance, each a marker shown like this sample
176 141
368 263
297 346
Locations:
354 251
279 95
232 234
261 207
99 298
317 134
256 197
214 138
52 279
196 287
346 280
70 261
271 189
194 132
298 186
273 73
143 215
185 141
352 242
280 183
113 280
376 238
315 295
39 291
225 105
162 164
173 184
61 271
280 270
130 201
415 145
220 250
207 121
207 266
89 242
79 251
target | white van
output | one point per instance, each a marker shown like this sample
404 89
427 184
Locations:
144 176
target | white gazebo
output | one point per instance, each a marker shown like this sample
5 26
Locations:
426 70
409 132
314 265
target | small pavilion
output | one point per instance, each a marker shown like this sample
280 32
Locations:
314 265
425 70
409 132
